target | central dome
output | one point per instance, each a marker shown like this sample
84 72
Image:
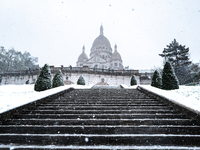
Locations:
101 44
101 41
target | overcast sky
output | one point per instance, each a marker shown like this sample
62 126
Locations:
56 30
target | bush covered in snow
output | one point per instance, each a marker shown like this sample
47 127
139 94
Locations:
81 81
156 80
169 79
58 79
44 80
133 80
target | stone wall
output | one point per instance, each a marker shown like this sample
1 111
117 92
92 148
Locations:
18 80
96 78
71 76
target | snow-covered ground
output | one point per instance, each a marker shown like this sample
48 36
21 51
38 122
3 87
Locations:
12 96
186 96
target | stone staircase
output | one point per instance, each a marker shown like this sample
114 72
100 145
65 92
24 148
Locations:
100 119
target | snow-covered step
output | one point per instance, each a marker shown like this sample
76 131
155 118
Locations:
103 104
95 121
108 94
96 139
98 111
100 129
130 97
66 100
90 107
101 116
96 147
124 102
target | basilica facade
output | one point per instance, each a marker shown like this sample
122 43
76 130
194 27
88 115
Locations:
101 55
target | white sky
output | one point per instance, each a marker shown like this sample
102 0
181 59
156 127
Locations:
56 30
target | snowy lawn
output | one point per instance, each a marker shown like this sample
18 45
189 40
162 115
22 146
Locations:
12 96
187 96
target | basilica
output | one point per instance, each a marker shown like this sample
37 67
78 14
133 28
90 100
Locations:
101 55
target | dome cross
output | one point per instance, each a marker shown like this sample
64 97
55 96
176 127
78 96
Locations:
115 47
101 30
83 48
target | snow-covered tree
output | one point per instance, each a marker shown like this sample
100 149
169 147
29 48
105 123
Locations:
156 80
133 80
58 79
81 81
169 79
44 80
178 56
12 60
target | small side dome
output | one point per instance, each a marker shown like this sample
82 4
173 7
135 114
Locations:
83 57
116 55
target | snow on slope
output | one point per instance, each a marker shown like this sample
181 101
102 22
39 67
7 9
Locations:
191 92
12 96
188 96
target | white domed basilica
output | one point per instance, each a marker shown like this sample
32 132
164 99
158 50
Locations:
101 55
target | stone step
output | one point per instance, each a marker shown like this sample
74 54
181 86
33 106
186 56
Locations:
111 139
105 102
63 99
99 116
102 103
98 104
98 97
96 107
96 147
102 97
106 97
94 121
98 111
99 129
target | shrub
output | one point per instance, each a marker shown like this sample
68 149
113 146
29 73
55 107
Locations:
156 80
81 81
44 80
133 80
193 84
58 79
169 79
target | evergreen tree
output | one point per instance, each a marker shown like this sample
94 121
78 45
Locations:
178 56
169 79
81 81
44 80
58 79
156 80
133 80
